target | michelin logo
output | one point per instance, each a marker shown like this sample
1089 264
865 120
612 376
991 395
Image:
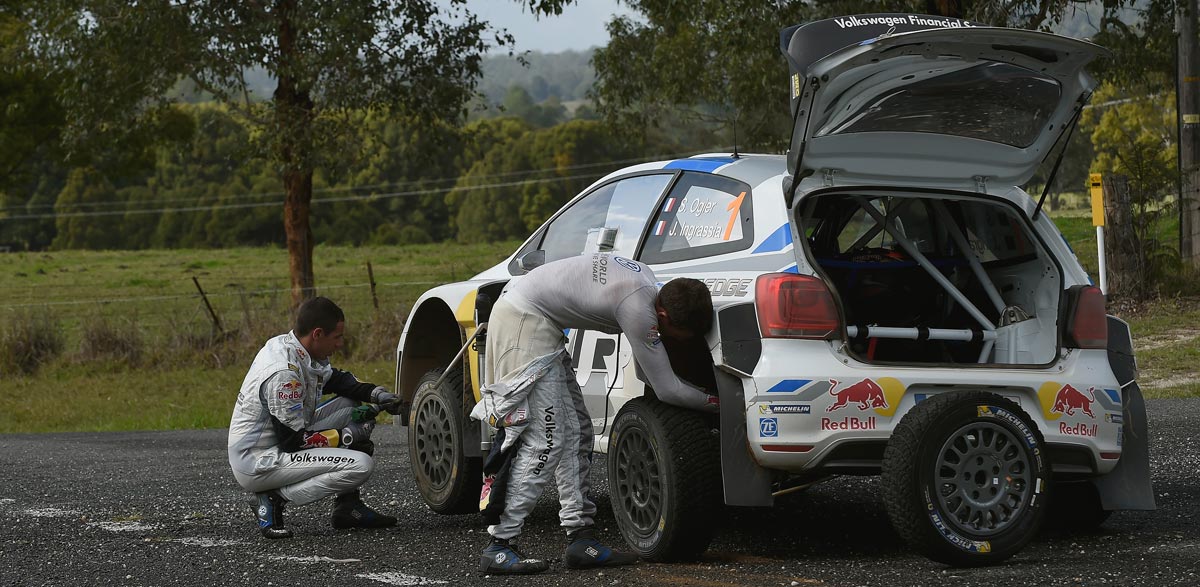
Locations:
785 408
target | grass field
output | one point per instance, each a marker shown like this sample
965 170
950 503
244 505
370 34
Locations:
180 378
152 294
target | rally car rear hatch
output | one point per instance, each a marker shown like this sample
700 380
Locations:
909 100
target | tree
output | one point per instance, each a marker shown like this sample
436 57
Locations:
331 61
1135 138
717 62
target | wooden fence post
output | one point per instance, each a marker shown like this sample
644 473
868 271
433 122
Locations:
216 321
1126 260
371 279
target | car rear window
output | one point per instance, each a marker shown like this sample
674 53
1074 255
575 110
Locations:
996 102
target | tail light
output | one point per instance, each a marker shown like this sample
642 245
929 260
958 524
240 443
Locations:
794 306
1087 324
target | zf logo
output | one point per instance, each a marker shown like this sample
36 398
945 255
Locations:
768 427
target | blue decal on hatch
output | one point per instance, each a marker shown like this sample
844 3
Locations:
789 385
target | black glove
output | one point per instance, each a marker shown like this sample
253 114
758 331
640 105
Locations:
386 400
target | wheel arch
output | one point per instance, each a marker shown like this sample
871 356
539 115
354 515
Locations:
432 338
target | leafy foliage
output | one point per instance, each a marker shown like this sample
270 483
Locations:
1136 138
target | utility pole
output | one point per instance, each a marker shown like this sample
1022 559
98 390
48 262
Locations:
1188 93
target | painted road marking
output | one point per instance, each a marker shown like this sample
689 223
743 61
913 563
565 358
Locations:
398 578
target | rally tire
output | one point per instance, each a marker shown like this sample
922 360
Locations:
965 477
448 480
664 480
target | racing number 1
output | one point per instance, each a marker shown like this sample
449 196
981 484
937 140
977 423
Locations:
735 206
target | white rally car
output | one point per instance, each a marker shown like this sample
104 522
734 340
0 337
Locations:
888 301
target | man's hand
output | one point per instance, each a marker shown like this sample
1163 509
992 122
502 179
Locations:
387 400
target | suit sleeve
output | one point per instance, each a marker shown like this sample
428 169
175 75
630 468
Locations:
635 315
283 398
345 384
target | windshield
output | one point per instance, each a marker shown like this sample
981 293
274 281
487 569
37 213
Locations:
992 101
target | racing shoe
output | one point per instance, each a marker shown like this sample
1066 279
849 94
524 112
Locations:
502 558
349 511
585 552
268 507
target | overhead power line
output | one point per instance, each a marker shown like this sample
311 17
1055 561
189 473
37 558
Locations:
212 207
272 194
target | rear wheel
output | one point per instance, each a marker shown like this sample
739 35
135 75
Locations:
448 480
664 479
964 478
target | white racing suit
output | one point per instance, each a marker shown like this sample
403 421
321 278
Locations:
273 438
535 395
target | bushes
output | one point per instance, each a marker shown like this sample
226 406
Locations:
30 339
113 342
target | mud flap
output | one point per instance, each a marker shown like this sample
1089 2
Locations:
745 483
1128 486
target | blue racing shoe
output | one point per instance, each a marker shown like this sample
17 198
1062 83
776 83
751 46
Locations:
502 558
585 552
268 508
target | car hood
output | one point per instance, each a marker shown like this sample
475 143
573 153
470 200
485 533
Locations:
941 100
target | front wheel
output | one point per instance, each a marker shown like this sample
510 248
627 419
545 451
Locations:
664 479
448 480
964 478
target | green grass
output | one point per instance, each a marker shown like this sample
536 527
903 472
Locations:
156 286
182 383
248 289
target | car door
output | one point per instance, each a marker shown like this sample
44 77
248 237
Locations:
610 218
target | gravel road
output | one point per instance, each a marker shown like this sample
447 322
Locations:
161 508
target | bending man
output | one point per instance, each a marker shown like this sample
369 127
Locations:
537 402
284 447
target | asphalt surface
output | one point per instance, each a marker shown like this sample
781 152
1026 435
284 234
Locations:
161 508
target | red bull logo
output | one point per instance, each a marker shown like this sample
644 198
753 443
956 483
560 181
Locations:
1079 429
1068 399
866 393
848 424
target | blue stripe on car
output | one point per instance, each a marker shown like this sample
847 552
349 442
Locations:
776 241
707 165
1114 396
789 385
792 269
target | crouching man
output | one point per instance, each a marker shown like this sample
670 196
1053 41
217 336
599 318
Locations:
285 447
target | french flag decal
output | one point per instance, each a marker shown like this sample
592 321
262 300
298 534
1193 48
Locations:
670 205
658 230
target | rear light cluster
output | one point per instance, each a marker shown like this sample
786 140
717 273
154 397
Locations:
794 306
1087 323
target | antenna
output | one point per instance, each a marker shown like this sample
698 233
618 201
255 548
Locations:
735 150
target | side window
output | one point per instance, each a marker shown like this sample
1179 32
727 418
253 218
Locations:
703 215
610 218
995 234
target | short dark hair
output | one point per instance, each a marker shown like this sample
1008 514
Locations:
688 304
320 313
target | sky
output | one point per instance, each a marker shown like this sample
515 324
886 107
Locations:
580 26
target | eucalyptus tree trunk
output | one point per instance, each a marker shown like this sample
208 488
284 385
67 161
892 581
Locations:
293 120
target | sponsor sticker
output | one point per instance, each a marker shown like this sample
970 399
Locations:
653 337
864 395
1114 418
784 408
626 263
849 423
768 427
